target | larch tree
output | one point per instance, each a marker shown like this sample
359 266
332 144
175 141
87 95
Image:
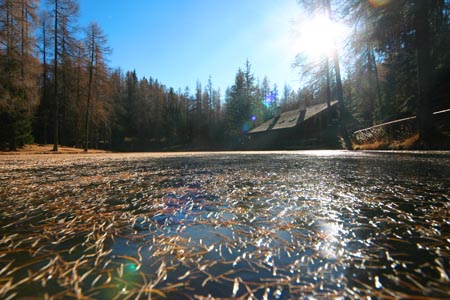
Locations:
118 114
64 13
131 105
97 49
44 46
198 119
79 83
18 71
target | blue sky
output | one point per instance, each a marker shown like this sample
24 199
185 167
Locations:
181 41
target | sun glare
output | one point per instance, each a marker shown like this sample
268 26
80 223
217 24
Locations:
318 36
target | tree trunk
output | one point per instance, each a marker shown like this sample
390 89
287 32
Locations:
44 84
374 116
327 69
339 89
79 121
56 116
91 71
13 135
22 42
424 71
375 71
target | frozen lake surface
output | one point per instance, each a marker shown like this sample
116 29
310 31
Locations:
247 225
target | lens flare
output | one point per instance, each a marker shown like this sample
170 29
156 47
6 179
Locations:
378 3
254 118
269 99
246 127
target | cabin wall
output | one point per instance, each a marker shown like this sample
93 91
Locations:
318 132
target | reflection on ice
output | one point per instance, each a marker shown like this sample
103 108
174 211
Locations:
312 225
330 246
319 153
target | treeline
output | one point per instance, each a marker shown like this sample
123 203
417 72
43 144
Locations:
397 60
401 65
56 85
147 115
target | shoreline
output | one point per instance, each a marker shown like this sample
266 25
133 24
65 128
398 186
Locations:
48 149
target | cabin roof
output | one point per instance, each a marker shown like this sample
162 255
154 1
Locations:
292 118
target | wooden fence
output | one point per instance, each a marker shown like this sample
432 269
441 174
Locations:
396 130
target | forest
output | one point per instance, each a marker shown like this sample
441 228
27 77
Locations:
56 85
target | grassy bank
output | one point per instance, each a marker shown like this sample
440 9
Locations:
48 149
441 141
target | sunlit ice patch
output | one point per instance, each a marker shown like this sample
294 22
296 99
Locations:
378 3
330 241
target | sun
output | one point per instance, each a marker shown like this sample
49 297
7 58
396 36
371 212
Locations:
318 37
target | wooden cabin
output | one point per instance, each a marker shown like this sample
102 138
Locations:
312 127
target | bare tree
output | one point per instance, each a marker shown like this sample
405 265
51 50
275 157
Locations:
44 41
63 12
96 47
18 68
